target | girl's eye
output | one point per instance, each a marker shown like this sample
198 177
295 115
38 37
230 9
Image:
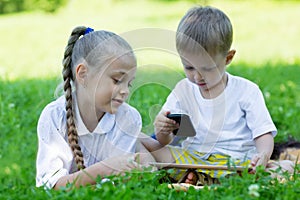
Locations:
117 81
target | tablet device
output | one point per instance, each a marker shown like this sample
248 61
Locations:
186 128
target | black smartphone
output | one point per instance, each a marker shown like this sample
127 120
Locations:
186 128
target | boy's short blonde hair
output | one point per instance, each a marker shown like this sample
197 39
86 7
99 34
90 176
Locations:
205 28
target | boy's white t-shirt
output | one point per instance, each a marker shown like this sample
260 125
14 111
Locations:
115 135
227 124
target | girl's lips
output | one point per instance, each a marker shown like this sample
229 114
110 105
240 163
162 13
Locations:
118 101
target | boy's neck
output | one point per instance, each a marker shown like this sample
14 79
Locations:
216 90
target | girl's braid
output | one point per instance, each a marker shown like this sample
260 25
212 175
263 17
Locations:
67 77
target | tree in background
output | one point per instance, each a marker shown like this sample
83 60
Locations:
12 6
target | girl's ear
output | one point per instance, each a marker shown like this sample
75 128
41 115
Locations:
81 73
230 56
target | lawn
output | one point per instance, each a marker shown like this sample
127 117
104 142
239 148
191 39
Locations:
266 39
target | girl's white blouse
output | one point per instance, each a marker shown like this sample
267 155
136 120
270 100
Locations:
115 135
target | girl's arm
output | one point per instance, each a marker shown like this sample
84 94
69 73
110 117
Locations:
264 145
114 165
88 176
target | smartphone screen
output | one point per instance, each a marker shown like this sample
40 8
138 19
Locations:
186 127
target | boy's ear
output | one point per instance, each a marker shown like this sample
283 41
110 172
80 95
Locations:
230 56
81 73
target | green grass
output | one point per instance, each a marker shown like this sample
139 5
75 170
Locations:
266 39
23 100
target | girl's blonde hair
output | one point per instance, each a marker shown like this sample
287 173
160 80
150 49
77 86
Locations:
205 28
95 49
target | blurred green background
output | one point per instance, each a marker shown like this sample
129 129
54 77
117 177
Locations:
32 43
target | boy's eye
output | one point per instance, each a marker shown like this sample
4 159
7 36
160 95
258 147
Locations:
208 69
189 67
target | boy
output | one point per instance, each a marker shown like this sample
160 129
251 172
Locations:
228 112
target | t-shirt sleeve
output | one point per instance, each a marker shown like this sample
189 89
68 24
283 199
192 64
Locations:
54 157
172 104
176 101
257 115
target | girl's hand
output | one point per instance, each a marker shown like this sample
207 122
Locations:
120 164
144 160
164 125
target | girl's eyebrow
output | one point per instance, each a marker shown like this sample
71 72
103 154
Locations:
119 72
122 73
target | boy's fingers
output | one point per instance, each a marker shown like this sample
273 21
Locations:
165 125
254 160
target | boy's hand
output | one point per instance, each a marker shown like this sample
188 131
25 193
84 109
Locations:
260 159
164 128
164 125
264 146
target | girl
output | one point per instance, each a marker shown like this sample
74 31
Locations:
93 118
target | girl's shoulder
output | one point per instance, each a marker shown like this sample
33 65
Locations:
52 118
55 109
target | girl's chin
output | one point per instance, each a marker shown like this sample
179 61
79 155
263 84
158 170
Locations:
113 109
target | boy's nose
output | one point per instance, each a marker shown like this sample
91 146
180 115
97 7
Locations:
197 76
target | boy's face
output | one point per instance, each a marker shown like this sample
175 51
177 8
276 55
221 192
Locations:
208 72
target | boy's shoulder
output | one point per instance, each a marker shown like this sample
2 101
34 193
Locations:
183 83
241 82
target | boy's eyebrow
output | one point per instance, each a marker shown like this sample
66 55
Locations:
198 67
185 62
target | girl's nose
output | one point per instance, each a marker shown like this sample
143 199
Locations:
124 90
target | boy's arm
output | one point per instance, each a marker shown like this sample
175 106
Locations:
149 143
145 145
264 145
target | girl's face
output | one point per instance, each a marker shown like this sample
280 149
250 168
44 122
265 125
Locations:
109 87
207 72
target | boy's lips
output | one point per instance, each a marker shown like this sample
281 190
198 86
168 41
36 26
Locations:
201 84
